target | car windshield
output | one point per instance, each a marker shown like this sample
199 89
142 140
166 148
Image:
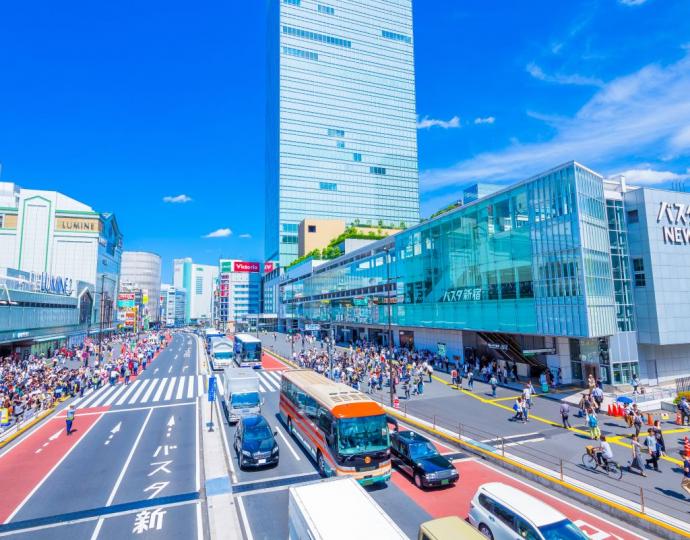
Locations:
562 530
257 433
243 401
421 450
365 434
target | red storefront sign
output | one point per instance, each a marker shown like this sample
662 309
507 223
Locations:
242 266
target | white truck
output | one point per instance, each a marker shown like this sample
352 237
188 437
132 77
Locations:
315 512
221 350
241 393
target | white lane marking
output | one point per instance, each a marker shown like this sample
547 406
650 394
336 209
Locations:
130 389
157 397
88 399
115 395
103 396
274 375
148 393
180 388
139 391
171 387
261 388
200 384
190 386
122 474
287 443
51 471
245 521
221 388
233 474
270 384
199 524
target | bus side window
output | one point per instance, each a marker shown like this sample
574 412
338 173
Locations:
311 408
324 421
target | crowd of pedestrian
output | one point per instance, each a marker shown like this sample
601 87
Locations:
33 383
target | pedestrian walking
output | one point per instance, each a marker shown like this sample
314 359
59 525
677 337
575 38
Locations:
635 383
684 409
493 382
593 424
565 415
653 449
430 371
527 395
69 419
454 377
470 380
656 429
636 462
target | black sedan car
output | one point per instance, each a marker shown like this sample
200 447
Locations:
255 443
418 457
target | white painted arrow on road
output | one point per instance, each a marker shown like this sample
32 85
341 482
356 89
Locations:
171 422
113 432
53 437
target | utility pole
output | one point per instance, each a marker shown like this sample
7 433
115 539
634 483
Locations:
331 340
100 322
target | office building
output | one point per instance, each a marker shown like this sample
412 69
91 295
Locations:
199 281
174 305
341 119
47 232
238 293
565 269
142 270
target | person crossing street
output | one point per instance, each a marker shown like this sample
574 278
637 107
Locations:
69 419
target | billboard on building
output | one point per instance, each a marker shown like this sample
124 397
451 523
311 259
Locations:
239 266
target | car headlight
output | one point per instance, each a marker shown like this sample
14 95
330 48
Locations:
431 476
275 450
246 454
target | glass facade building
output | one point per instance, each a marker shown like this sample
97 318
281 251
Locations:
341 119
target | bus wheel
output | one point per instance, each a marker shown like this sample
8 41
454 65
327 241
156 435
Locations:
321 464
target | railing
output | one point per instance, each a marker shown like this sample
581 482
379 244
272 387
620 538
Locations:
26 417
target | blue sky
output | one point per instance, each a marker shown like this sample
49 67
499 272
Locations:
122 104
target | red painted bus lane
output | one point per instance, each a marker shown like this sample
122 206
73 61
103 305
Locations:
456 500
271 363
25 466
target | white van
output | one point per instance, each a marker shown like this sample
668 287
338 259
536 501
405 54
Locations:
502 512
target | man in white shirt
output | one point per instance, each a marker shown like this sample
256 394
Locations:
604 452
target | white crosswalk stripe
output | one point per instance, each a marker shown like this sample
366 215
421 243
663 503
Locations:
103 396
269 381
190 387
116 394
140 391
159 392
130 389
171 387
200 384
180 388
148 393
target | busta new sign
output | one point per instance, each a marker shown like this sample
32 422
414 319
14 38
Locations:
676 220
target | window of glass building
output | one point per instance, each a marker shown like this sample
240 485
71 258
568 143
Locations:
290 227
633 216
312 228
377 170
292 2
328 10
357 157
328 186
638 270
395 36
335 132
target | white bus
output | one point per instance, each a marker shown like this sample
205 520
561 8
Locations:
247 351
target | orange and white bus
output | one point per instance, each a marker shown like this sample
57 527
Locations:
345 432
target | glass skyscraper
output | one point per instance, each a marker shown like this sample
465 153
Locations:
341 119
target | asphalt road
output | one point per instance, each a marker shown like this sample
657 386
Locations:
542 440
131 469
262 495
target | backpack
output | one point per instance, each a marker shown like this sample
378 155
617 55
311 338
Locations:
592 421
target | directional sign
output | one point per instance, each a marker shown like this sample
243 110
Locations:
212 388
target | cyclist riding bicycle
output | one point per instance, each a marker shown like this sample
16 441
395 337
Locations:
603 453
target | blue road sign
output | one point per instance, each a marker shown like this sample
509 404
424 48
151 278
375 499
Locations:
212 388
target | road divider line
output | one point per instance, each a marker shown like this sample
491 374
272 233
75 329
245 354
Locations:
245 521
97 530
221 388
292 450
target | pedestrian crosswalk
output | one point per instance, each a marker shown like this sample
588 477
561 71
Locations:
144 391
269 381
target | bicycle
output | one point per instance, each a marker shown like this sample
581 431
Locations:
610 467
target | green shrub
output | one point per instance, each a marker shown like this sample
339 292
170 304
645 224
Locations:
680 396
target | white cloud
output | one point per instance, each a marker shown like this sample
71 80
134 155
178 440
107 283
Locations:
574 79
646 113
651 177
219 233
632 2
177 199
426 123
245 235
486 120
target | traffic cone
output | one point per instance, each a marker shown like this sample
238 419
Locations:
610 412
679 418
687 447
621 411
650 420
396 403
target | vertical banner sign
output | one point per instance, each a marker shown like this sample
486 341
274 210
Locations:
4 417
212 388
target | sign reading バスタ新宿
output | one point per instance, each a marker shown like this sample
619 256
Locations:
676 217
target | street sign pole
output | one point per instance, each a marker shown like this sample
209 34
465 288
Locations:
211 397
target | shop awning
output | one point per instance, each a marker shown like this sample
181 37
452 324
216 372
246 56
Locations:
49 338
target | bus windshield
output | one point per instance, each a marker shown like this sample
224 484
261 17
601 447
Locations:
364 434
252 351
